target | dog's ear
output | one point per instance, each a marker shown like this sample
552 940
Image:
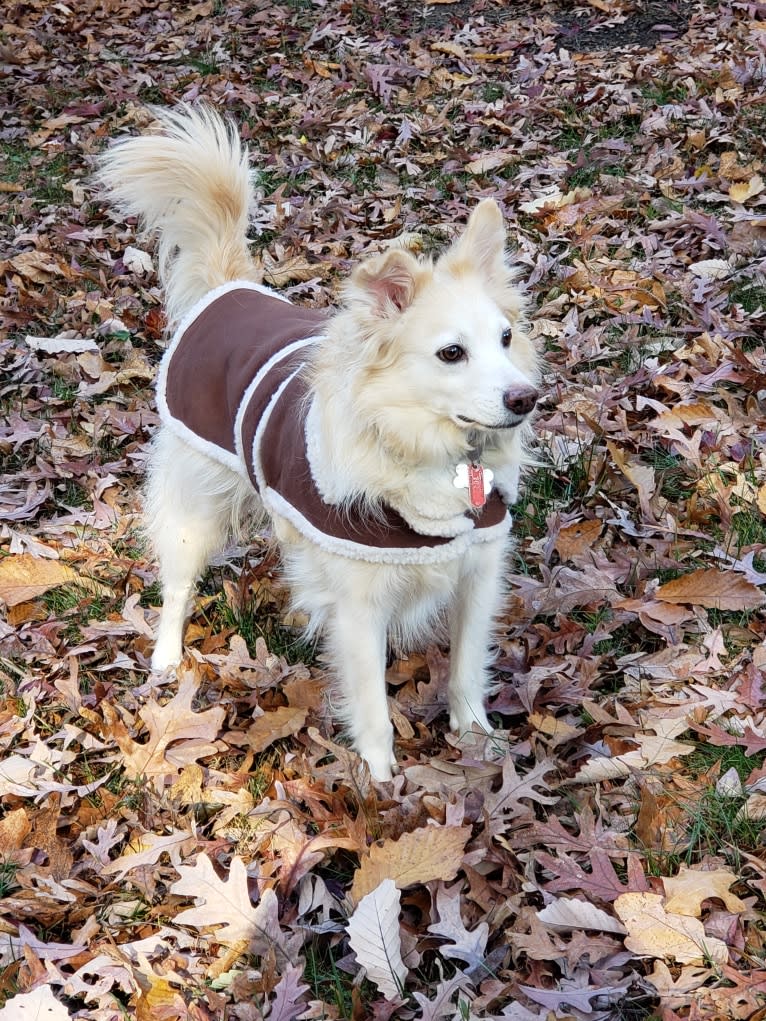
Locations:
387 282
482 244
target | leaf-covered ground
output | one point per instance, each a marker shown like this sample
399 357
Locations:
210 849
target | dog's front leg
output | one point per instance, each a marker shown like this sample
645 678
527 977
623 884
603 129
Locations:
357 639
472 616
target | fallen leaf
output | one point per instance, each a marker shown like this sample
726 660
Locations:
224 905
744 190
274 725
655 932
568 913
685 892
420 856
720 590
39 1005
24 577
373 934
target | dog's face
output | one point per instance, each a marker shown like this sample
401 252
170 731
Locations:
445 355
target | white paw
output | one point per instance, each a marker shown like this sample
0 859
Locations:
166 655
467 717
381 762
507 483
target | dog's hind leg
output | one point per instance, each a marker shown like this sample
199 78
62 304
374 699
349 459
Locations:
472 615
189 512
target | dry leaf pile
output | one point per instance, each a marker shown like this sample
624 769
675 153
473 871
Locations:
211 849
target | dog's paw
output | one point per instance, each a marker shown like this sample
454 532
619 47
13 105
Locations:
506 482
468 717
165 657
381 763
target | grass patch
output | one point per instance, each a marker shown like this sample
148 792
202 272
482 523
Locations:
66 599
253 622
550 487
673 472
16 160
8 870
750 295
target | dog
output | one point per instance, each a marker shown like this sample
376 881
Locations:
384 441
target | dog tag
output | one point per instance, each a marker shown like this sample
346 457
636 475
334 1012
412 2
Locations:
476 479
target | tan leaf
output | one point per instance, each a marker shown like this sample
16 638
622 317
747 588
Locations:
558 731
641 475
685 892
273 725
753 809
452 48
569 913
431 852
731 169
293 269
40 1003
161 999
654 750
13 829
489 161
712 269
721 590
761 499
744 190
224 904
24 577
687 979
574 540
654 932
177 735
36 266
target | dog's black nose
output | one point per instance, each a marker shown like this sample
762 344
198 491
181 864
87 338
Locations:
521 399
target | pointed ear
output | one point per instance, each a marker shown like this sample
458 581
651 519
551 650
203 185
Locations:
482 245
388 282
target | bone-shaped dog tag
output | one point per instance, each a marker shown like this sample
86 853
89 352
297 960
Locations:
476 479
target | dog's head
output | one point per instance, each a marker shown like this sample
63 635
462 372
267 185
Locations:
442 355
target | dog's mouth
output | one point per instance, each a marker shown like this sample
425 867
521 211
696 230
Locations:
471 423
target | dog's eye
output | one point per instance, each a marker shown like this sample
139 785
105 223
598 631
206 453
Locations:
451 354
506 337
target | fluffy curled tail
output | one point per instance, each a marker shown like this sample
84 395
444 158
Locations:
191 185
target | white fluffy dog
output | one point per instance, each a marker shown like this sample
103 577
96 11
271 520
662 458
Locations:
384 441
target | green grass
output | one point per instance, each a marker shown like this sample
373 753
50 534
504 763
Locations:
8 870
62 389
331 985
707 822
750 295
15 158
67 598
548 488
674 473
252 623
663 93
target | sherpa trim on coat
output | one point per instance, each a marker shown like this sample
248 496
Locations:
231 385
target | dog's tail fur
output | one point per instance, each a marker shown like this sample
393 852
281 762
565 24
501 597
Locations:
191 185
